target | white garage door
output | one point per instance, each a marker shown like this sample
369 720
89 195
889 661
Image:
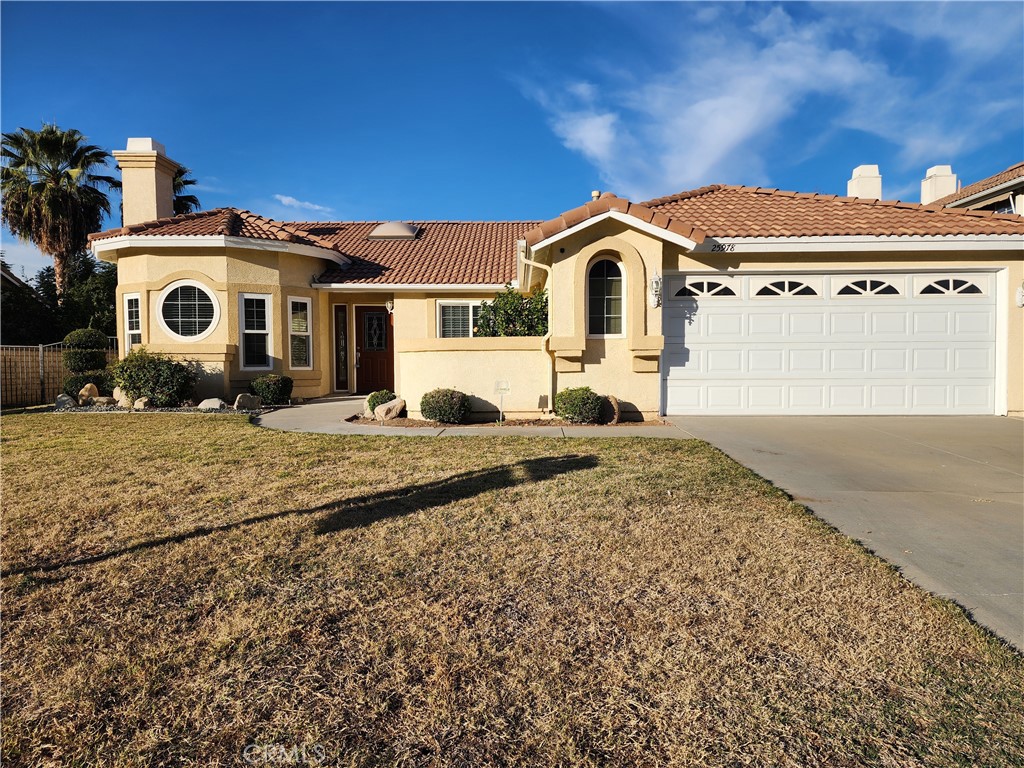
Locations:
830 344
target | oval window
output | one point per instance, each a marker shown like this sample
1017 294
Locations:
188 310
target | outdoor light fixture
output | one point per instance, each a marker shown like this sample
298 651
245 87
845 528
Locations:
389 305
655 291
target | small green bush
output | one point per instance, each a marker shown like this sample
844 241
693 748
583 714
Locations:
85 350
379 397
272 389
103 380
165 382
448 406
86 338
82 360
580 405
514 314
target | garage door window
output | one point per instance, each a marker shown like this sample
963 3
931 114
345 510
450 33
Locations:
950 286
787 288
702 288
868 288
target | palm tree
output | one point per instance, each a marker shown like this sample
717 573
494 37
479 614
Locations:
50 182
184 203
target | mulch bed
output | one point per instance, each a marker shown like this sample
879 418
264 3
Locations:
406 422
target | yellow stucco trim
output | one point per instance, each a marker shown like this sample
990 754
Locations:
470 344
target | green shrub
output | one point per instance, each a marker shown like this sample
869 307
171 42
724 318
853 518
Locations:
272 389
379 397
580 405
103 380
448 406
514 314
85 350
165 382
82 360
86 338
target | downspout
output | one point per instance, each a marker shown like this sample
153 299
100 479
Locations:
545 342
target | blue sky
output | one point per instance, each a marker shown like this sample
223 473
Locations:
479 111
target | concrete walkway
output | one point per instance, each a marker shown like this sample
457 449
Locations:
941 497
328 416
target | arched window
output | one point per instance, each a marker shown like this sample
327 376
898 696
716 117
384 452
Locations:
604 303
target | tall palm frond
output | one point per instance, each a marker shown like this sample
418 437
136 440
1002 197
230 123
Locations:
184 203
52 185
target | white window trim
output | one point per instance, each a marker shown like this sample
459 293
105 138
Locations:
127 330
625 299
309 331
268 299
460 303
160 311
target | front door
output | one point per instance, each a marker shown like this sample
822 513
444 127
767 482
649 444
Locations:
375 361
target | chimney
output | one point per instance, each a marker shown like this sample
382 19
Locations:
147 181
939 181
595 194
865 182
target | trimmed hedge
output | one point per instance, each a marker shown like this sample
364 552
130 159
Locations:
379 397
579 405
272 389
165 382
85 351
86 338
448 406
103 380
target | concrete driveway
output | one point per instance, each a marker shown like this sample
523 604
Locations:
940 497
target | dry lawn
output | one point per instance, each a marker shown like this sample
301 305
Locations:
179 587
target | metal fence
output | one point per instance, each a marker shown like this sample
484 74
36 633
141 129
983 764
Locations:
35 375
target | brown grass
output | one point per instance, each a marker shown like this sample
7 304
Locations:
179 587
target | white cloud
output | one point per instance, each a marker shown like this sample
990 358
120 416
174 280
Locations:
718 112
292 202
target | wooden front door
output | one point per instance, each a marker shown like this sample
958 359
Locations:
375 357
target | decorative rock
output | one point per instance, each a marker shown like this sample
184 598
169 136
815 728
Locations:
89 390
65 401
188 403
246 402
390 410
141 404
105 401
297 400
367 413
611 412
122 399
212 404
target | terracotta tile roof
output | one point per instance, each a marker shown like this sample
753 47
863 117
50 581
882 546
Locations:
444 253
734 211
1011 173
611 202
230 222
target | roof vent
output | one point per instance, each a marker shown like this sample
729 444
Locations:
394 230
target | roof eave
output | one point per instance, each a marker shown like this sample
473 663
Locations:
865 243
107 248
645 226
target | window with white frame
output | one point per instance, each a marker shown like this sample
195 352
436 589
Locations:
187 310
604 298
132 321
457 319
300 340
254 323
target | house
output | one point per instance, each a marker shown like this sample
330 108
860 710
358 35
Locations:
1000 193
719 300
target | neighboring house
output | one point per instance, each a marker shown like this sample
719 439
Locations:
724 299
1001 193
25 318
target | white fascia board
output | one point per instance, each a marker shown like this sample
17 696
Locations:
632 221
410 287
213 241
1006 186
862 243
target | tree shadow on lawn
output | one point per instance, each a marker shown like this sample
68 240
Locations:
368 509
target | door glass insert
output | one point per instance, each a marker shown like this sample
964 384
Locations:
375 331
340 348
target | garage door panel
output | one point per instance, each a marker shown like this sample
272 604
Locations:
900 351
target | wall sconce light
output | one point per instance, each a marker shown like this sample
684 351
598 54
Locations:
654 296
389 305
